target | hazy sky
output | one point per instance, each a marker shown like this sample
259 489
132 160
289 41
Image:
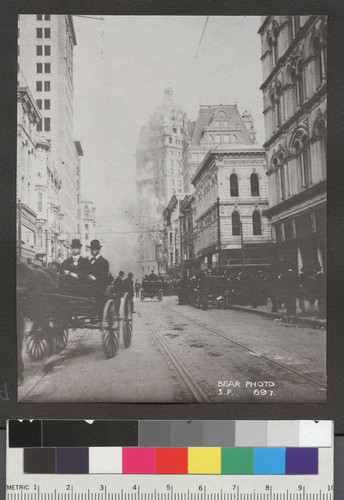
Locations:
121 67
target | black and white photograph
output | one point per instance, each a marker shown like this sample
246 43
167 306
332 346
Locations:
171 208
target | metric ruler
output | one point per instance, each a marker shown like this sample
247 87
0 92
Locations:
61 460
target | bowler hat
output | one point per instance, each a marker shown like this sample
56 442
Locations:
76 243
95 245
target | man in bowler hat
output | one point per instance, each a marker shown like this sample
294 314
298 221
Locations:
76 267
99 266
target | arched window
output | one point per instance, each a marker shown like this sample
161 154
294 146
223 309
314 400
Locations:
320 60
234 185
256 223
275 43
254 185
297 77
236 226
301 146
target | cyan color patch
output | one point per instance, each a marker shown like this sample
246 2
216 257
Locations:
269 461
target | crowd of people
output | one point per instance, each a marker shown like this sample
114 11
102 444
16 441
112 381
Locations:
284 287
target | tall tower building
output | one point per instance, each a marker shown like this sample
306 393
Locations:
159 175
45 66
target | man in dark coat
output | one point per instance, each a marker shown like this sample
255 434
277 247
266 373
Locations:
152 276
76 267
99 271
128 286
99 266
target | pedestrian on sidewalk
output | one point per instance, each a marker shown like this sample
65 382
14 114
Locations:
291 286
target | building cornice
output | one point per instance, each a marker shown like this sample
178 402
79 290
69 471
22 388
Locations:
264 24
309 193
220 155
305 108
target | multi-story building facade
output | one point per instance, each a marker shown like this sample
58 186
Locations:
159 177
229 228
295 90
27 119
216 127
45 65
172 234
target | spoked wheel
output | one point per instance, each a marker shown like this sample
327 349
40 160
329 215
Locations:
60 338
37 345
127 320
110 329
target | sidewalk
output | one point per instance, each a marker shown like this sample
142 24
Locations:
298 319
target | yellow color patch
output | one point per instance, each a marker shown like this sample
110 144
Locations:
204 460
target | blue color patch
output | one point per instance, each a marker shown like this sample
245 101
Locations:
269 461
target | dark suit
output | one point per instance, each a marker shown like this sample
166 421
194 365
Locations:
100 269
81 268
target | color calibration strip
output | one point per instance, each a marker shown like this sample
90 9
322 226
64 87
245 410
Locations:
169 434
169 460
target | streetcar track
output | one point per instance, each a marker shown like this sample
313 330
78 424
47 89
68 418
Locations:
191 383
252 351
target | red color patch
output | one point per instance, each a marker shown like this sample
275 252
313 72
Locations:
171 460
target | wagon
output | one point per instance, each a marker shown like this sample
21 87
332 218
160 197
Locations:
51 312
151 289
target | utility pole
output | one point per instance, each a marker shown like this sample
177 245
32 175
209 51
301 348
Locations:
19 231
242 247
219 263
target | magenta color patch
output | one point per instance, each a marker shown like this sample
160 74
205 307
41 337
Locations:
138 460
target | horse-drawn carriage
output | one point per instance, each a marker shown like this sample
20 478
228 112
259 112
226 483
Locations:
49 305
151 289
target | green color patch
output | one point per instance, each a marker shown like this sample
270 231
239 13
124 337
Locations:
237 460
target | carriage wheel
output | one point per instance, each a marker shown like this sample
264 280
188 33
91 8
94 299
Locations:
127 320
110 329
142 295
60 338
37 345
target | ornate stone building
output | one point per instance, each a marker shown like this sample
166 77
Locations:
295 91
229 228
216 127
28 115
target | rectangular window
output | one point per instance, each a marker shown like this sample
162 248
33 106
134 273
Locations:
47 17
39 67
39 33
217 138
39 202
38 86
39 126
46 32
86 236
39 17
46 86
46 67
39 103
39 50
46 103
47 50
47 124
